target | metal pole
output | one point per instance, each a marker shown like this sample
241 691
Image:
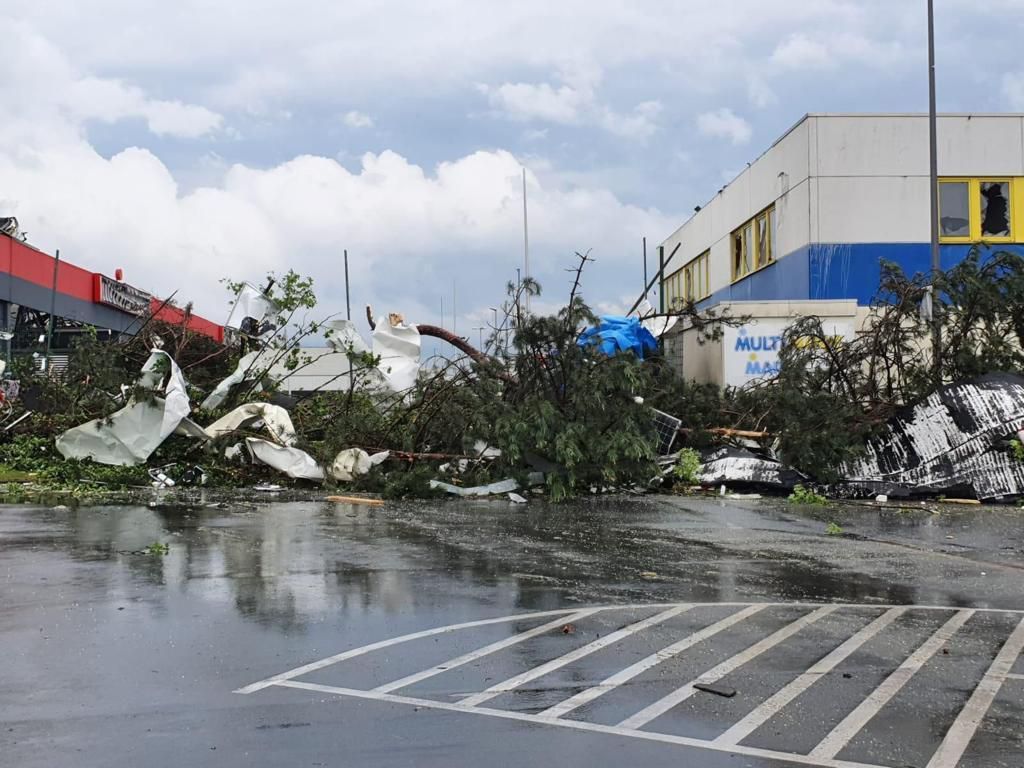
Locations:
645 267
481 330
53 309
526 241
661 273
657 276
348 303
934 184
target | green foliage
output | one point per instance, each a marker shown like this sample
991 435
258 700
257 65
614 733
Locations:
687 466
833 529
832 394
803 495
156 549
1018 449
567 408
411 483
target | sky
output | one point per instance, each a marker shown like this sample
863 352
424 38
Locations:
188 142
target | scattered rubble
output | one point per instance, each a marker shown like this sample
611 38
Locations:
129 436
733 466
583 402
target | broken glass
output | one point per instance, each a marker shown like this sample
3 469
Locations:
954 209
995 207
748 241
763 243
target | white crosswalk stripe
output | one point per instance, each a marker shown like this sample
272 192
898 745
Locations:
668 620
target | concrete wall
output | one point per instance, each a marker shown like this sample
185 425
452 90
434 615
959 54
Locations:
779 176
844 180
870 172
327 370
707 362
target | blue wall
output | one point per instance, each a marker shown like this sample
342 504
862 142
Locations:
838 271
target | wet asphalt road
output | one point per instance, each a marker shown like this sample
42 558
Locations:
111 656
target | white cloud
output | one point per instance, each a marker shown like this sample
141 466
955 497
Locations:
1013 90
641 123
724 123
525 101
38 78
800 52
356 119
759 92
574 103
457 221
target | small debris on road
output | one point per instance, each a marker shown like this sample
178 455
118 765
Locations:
717 690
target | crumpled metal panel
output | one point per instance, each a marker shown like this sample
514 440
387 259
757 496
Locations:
954 440
739 466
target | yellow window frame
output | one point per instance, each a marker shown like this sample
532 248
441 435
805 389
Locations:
972 218
671 287
1011 207
1015 212
686 284
696 274
761 219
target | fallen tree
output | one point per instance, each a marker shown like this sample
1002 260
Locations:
543 394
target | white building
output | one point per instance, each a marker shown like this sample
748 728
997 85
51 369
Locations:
803 229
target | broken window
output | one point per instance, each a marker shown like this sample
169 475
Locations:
995 208
753 244
737 254
954 209
764 245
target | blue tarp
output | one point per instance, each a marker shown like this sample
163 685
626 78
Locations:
620 334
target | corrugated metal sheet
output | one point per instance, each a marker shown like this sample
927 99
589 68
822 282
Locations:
955 440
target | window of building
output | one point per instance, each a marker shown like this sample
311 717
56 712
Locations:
995 208
954 209
979 210
753 244
689 283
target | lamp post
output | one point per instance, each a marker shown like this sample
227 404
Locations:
497 334
933 181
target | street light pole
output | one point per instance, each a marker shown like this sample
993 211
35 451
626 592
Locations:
933 182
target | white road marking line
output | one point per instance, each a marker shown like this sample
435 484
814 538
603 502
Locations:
962 731
353 653
1014 676
578 725
602 642
313 666
761 714
662 706
852 724
466 658
614 681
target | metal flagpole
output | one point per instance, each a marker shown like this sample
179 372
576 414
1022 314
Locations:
348 303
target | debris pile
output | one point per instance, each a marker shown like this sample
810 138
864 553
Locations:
570 403
954 443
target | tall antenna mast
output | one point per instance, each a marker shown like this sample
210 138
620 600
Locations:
526 243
